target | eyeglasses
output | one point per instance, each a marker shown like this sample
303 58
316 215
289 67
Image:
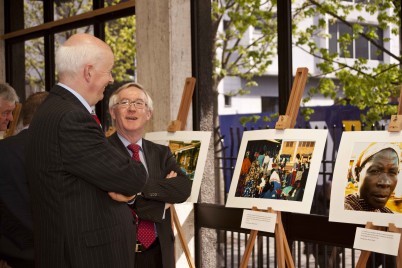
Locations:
138 104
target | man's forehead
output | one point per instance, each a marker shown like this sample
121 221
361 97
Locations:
5 105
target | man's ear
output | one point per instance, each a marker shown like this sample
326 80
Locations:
149 115
88 70
112 114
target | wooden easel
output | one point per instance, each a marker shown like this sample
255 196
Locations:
177 125
395 125
285 121
16 115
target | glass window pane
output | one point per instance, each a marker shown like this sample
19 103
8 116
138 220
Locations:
120 35
362 47
375 53
33 13
345 30
333 40
34 66
66 9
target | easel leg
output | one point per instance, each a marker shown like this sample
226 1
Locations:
392 228
285 245
180 234
364 255
279 247
249 249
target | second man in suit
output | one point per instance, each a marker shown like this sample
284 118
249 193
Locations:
131 108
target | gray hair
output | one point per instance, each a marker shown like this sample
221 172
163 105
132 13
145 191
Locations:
8 93
113 98
70 59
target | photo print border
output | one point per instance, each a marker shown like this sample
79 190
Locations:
292 142
351 146
164 137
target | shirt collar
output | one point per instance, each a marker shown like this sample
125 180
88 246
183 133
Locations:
78 96
127 143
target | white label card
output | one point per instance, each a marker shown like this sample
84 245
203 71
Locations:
258 220
377 241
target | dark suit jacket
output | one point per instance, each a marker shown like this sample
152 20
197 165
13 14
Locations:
16 234
158 190
71 167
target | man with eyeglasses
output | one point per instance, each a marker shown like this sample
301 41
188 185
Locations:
8 98
131 108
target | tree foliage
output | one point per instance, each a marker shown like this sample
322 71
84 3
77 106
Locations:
345 78
237 51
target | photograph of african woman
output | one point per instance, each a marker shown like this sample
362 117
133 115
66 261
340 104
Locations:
372 177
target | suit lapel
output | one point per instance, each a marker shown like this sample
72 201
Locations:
114 139
150 157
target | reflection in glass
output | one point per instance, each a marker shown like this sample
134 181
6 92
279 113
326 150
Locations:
120 36
33 13
34 66
66 9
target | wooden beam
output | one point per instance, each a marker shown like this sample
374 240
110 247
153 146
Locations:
77 18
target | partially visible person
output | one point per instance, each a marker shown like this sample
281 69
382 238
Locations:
131 108
376 170
8 98
71 168
16 230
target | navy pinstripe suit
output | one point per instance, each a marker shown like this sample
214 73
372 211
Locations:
71 167
157 191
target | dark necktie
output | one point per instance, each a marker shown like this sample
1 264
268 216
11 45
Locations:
145 229
94 116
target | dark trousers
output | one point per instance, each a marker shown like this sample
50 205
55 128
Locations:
150 258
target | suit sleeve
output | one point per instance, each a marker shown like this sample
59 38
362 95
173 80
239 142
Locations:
87 154
172 190
146 209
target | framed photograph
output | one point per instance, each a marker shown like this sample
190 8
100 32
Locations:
190 149
367 182
277 169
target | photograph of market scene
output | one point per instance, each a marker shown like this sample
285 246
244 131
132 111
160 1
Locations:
275 169
186 154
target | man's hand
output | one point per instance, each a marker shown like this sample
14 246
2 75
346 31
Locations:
120 198
172 174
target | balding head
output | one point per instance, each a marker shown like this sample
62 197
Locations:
80 49
84 63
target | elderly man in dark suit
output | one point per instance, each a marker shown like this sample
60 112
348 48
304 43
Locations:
71 168
131 108
16 230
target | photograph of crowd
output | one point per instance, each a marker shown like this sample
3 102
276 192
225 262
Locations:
275 169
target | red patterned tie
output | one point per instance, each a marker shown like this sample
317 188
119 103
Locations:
94 116
146 229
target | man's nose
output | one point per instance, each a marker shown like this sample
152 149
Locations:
384 180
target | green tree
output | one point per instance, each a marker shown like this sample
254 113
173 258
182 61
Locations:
346 78
234 54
